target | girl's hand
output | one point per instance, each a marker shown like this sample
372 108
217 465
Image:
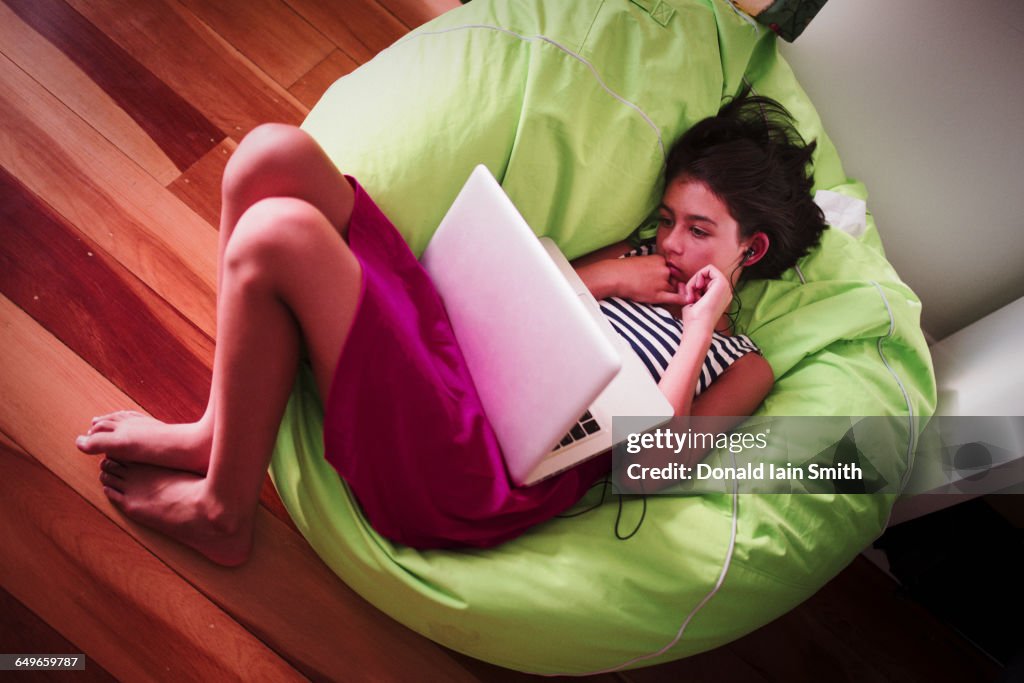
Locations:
706 297
647 279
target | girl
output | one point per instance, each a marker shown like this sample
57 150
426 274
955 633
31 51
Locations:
309 266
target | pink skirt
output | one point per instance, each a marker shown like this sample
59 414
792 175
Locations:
403 424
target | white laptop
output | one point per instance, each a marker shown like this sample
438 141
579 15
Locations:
550 370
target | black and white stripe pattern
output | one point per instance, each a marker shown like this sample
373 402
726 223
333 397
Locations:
655 335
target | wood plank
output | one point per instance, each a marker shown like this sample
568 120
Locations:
104 314
199 186
866 610
23 632
284 594
104 590
721 664
9 442
268 32
856 628
809 649
99 309
62 77
203 68
496 674
360 29
313 84
271 501
414 13
1009 505
859 627
111 200
180 130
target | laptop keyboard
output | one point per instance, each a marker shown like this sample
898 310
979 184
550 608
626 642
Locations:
583 428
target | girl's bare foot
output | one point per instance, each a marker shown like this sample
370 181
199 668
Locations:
178 504
129 436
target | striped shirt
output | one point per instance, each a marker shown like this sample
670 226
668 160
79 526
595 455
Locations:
654 334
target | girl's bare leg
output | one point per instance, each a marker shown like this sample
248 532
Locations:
288 279
274 160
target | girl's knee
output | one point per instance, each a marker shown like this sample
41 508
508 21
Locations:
272 139
277 230
269 150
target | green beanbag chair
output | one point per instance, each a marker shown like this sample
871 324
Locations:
572 106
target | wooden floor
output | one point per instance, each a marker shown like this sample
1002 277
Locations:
116 119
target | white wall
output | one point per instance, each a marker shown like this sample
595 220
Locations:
925 102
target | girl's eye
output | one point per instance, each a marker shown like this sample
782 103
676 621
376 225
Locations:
697 232
665 222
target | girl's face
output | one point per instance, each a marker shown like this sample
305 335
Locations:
696 229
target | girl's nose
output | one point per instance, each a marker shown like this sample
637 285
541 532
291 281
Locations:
673 244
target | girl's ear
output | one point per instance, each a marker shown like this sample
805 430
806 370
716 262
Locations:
755 248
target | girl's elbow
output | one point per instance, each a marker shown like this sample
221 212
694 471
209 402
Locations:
753 379
765 375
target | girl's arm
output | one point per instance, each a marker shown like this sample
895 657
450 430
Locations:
738 391
612 251
719 409
736 394
598 272
641 278
679 380
744 384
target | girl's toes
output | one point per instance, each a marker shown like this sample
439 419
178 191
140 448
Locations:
111 482
113 467
118 415
94 444
114 496
102 426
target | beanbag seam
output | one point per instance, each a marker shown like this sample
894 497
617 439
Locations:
906 397
700 605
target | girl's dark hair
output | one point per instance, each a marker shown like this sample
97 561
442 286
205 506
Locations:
751 156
